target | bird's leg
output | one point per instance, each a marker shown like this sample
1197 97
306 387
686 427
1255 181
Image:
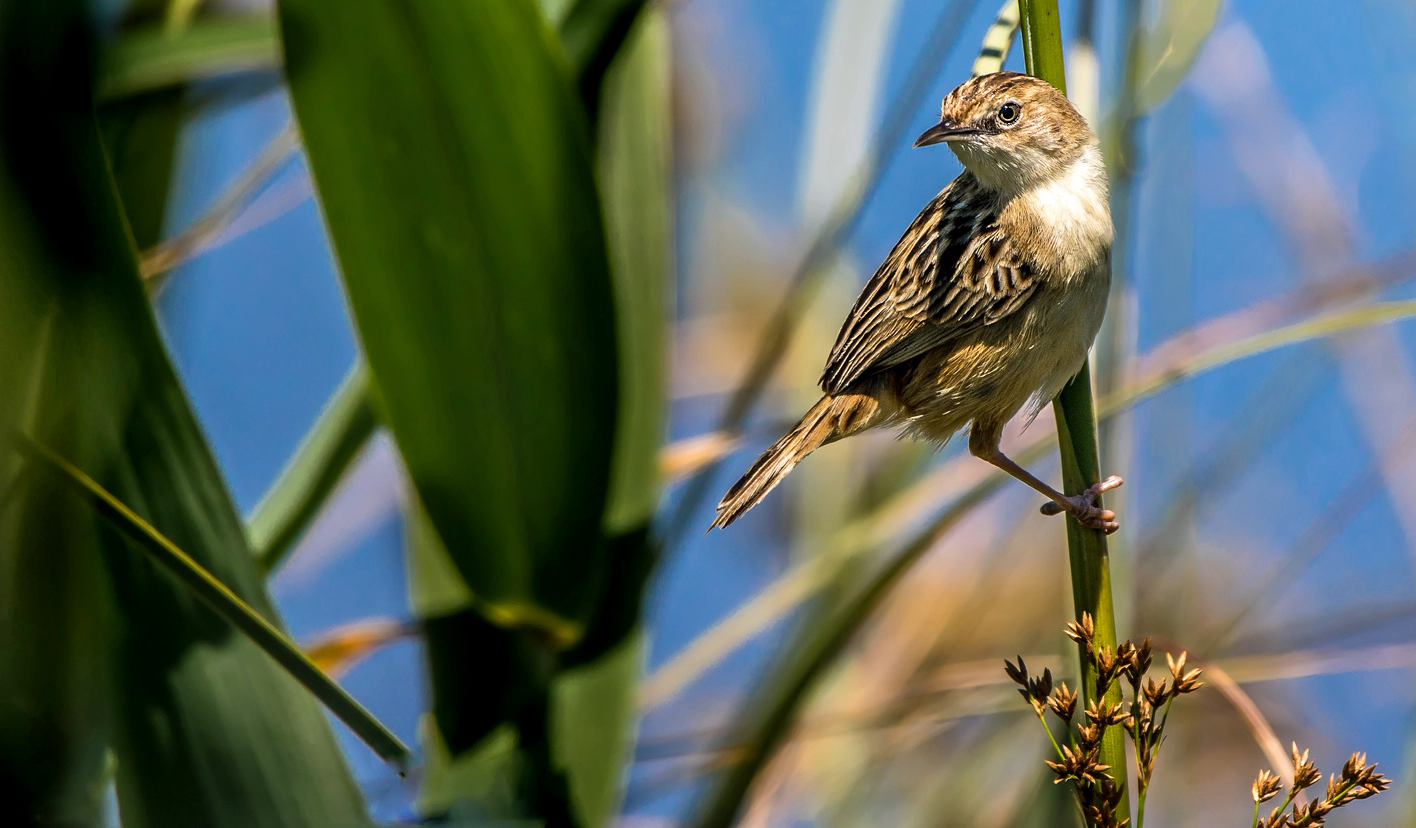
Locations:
983 444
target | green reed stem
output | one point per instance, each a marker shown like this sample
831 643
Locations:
1076 431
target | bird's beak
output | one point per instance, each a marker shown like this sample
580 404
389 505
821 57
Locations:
942 132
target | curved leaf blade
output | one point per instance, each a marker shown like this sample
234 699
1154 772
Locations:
1170 50
453 172
226 603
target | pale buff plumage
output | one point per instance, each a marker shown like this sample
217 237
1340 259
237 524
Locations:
989 301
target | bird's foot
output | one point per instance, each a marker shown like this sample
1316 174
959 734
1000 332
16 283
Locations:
1083 506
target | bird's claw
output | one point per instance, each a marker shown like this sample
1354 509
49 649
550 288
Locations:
1083 507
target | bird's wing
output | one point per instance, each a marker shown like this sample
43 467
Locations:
952 272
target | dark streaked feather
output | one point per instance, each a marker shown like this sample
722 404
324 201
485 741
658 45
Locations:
952 272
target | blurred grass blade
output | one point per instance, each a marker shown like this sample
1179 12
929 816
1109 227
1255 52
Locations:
179 14
344 427
998 40
336 651
853 54
592 728
820 638
1327 325
140 136
225 602
153 58
452 169
593 32
159 258
483 677
1169 51
772 602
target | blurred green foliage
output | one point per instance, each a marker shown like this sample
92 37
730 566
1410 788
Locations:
464 202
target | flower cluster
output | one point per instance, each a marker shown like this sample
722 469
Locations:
1357 781
1142 719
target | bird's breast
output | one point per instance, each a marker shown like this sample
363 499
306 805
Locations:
1064 225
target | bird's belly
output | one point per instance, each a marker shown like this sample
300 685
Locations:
989 376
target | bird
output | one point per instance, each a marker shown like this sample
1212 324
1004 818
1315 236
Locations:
987 304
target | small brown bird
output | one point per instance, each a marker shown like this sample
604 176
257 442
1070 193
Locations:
988 303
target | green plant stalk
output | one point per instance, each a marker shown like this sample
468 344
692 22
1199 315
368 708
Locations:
345 426
1053 739
1076 431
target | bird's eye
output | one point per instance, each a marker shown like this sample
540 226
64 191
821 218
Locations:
1009 112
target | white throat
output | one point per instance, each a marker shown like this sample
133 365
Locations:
1074 206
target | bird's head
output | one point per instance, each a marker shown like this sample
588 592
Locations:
1011 131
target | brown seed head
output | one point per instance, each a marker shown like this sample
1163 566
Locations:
1089 735
1081 631
1108 667
1018 673
1126 654
1063 702
1156 691
1079 764
1185 681
1266 786
1143 657
1041 688
1355 768
1305 773
1105 714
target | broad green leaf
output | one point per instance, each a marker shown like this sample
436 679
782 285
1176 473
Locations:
592 728
452 166
636 174
484 678
155 58
343 428
1170 49
593 700
480 787
206 730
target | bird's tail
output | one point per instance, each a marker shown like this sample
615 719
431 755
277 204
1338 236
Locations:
830 419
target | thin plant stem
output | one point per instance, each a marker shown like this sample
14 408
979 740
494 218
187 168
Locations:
1076 431
1042 717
